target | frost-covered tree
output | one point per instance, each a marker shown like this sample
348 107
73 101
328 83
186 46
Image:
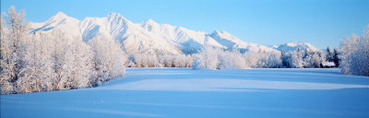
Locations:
38 73
230 60
262 59
72 62
355 54
198 63
175 60
13 47
207 58
59 44
285 58
146 60
188 61
251 59
6 66
296 59
269 60
166 60
108 58
274 60
179 61
312 59
77 65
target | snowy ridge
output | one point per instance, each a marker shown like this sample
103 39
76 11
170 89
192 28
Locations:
293 46
149 36
60 21
231 42
188 41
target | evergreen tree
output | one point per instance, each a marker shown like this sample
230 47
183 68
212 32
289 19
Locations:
329 55
336 59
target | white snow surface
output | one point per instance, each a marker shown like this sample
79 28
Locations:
225 85
176 92
146 36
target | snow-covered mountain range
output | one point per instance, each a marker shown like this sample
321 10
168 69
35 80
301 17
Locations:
149 36
292 46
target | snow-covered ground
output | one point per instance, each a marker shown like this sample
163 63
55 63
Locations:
309 93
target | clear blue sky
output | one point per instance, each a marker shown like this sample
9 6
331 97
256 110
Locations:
271 22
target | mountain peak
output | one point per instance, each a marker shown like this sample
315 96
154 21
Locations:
60 21
114 15
117 17
150 21
223 34
60 15
217 32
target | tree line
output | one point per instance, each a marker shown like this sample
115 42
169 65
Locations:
213 58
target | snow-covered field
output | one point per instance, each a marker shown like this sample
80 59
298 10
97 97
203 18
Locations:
309 93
